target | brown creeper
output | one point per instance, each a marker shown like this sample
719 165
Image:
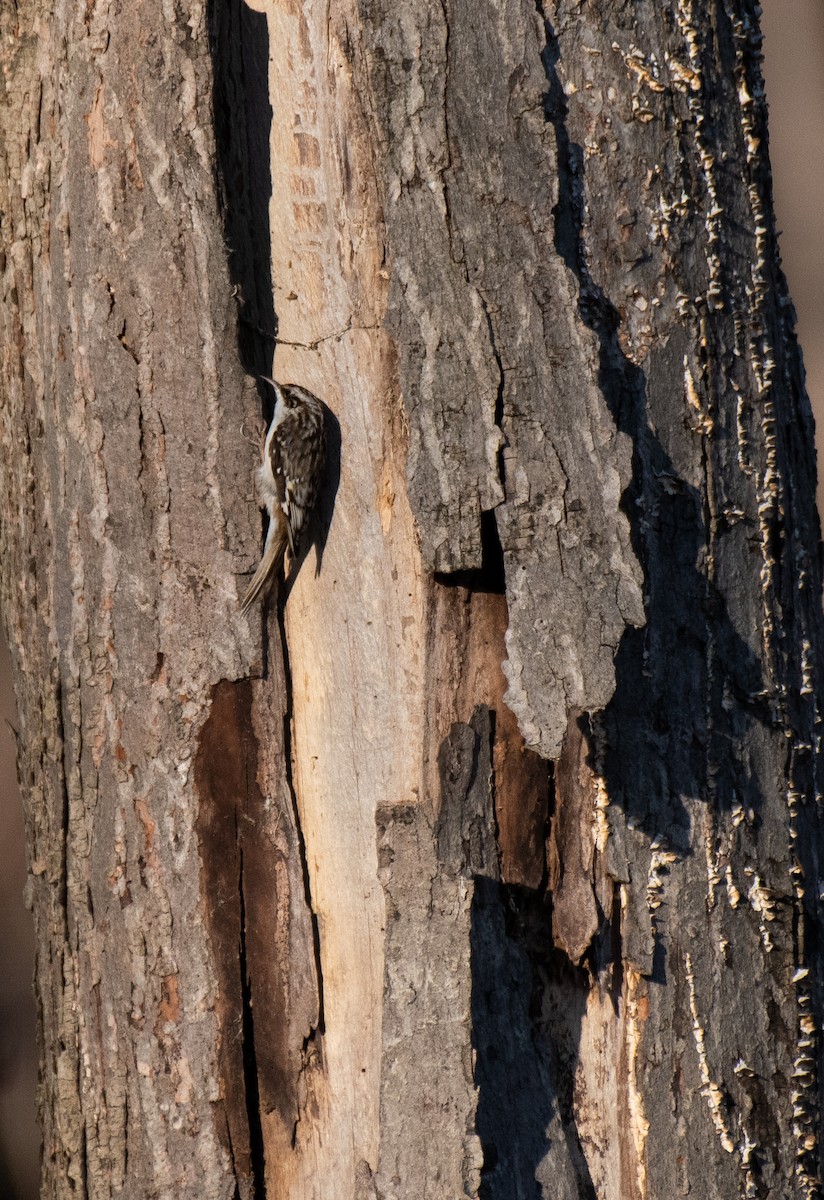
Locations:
288 477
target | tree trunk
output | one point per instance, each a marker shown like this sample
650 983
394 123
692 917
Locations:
331 903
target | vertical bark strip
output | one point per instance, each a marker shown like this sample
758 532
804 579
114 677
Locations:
123 537
487 861
354 614
660 290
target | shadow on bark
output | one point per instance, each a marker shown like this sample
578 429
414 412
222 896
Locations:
527 1000
524 1076
687 688
239 45
669 717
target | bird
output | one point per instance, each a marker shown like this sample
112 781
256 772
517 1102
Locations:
288 478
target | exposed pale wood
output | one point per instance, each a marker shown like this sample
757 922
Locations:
355 629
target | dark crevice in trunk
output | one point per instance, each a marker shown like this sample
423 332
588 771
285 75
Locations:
250 1069
311 1053
290 784
221 780
499 399
490 576
239 45
525 1051
616 953
64 793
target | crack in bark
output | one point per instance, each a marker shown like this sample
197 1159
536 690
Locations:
250 1068
499 399
265 950
313 345
273 1061
288 759
64 790
220 777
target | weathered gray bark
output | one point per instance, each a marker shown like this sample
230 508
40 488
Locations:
333 904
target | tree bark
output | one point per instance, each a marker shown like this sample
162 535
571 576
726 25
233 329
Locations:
486 862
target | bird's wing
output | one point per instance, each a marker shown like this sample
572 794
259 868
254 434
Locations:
295 450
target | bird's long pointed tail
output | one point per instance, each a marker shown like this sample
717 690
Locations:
264 576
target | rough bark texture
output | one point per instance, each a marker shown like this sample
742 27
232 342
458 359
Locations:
329 903
124 532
